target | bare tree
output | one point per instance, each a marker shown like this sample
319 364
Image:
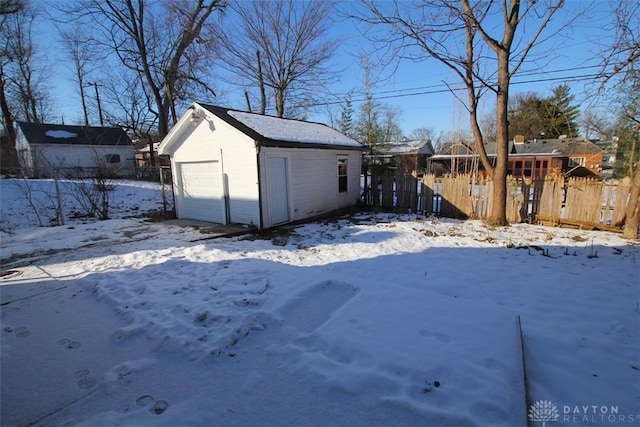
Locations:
595 125
166 43
8 7
23 95
427 133
279 45
83 58
391 130
367 128
620 69
622 57
129 106
483 43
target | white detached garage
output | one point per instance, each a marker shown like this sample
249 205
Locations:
235 167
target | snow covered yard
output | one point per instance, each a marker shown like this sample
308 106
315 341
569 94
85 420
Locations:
373 319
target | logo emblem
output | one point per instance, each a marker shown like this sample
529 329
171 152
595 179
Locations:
543 410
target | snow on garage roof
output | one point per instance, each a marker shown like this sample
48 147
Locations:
273 129
293 130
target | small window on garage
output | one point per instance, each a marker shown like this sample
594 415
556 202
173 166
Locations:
113 158
343 163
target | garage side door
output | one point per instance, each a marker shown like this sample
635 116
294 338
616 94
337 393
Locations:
278 188
202 191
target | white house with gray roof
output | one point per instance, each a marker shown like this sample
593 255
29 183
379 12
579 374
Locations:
46 150
236 167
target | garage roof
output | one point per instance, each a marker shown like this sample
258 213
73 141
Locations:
275 131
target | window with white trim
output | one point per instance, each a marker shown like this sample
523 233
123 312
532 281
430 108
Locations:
343 168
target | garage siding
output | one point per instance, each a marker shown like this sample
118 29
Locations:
213 140
313 184
239 163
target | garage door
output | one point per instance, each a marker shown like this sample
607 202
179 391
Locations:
202 191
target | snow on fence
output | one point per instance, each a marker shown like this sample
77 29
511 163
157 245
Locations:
580 202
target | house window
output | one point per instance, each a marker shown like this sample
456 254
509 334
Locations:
343 163
577 161
517 168
541 168
113 158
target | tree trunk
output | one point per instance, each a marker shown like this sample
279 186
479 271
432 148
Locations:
6 112
263 93
632 213
280 102
499 208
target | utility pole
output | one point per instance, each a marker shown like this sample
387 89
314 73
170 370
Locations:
95 85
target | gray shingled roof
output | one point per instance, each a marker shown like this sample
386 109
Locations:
567 147
416 146
37 133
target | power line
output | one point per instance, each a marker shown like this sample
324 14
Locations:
442 88
521 74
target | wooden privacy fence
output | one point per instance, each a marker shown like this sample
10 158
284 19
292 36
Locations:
580 202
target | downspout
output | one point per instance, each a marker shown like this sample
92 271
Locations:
225 191
259 184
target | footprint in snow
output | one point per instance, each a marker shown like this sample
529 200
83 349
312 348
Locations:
68 344
85 382
156 406
22 332
144 400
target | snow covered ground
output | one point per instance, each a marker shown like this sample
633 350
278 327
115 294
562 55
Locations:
371 319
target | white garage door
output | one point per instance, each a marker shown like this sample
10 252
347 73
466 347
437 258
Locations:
202 191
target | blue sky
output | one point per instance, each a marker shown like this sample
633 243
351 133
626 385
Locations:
416 89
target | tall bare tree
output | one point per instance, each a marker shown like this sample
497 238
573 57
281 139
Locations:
7 8
83 59
127 106
165 42
279 45
620 68
7 116
23 95
483 43
424 132
367 127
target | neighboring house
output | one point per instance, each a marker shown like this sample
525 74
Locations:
579 156
235 167
143 154
610 154
451 158
406 156
539 157
72 151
